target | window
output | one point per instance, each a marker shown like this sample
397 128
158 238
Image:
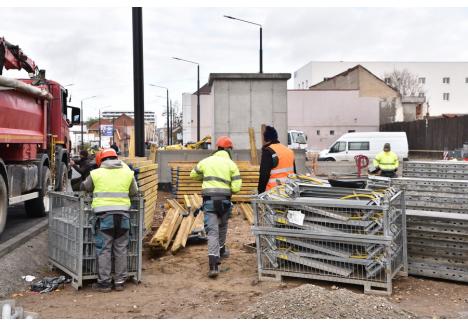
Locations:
387 80
352 130
358 145
318 132
302 84
446 96
332 132
295 74
298 85
466 80
421 94
307 84
298 138
446 80
422 80
289 138
338 147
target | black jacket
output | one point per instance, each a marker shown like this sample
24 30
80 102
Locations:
83 167
266 164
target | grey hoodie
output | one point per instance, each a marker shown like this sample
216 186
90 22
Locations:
88 185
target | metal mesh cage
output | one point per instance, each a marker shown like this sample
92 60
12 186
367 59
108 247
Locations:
358 241
71 236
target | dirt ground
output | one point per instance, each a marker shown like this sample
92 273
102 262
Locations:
176 286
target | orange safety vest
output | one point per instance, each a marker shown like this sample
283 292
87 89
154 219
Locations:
285 165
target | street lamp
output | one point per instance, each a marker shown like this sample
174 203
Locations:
261 48
167 108
198 93
104 107
82 118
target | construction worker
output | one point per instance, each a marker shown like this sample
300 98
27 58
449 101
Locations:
221 179
83 166
387 162
277 161
112 184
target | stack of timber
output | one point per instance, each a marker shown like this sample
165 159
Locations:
183 185
179 223
146 172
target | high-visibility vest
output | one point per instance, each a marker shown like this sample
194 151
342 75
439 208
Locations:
111 188
220 175
285 165
386 161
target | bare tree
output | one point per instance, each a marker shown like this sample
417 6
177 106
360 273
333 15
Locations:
405 82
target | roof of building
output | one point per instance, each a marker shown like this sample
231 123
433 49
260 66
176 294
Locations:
204 90
346 72
247 76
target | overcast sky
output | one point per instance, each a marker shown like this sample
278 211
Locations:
92 47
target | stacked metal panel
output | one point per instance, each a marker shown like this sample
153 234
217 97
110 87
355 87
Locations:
71 243
436 169
437 226
347 235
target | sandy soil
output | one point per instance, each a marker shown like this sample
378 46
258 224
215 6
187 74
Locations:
176 286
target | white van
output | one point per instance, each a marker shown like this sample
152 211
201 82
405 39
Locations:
365 143
297 139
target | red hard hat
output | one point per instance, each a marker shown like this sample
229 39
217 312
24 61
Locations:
108 152
224 142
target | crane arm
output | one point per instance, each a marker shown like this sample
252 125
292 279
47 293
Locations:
12 57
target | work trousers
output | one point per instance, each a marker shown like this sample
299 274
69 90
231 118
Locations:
216 229
110 243
388 174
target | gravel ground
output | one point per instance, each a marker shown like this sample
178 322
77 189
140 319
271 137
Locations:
28 259
314 302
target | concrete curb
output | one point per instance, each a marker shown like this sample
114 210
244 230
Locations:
22 238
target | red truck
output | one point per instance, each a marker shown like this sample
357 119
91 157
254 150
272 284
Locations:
34 135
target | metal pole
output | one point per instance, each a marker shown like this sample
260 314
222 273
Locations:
170 123
82 118
261 52
198 103
138 89
113 130
167 116
99 128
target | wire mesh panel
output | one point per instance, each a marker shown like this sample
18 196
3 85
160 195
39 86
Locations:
360 240
436 170
71 237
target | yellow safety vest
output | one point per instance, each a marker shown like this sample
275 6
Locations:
220 175
111 188
386 161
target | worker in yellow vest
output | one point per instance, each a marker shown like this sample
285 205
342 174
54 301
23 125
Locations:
221 179
387 162
112 184
277 161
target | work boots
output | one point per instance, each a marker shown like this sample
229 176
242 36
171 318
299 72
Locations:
223 252
213 262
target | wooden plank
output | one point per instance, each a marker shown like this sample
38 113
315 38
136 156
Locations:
161 235
147 180
174 204
150 185
253 147
173 228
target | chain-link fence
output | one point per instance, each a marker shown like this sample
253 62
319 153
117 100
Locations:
71 236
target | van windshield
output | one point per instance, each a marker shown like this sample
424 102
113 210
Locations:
338 147
298 138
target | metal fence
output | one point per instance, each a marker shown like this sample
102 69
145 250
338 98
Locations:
71 237
358 240
437 224
436 169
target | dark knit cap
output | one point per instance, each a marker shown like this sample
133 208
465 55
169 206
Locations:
270 134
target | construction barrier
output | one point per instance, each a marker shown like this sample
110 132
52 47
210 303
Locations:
344 235
71 242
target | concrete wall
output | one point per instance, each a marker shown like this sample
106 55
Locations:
314 111
164 157
370 86
349 81
186 117
206 116
249 100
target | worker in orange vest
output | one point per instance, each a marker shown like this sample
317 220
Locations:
277 161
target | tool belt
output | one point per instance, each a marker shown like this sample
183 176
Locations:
217 204
115 224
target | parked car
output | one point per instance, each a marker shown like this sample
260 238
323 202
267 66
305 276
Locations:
365 143
297 139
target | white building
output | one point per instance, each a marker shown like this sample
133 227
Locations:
445 84
150 116
186 117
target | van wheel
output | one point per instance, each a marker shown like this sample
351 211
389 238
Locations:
330 159
3 204
39 207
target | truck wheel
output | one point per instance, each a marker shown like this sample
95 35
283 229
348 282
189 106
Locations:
62 178
3 204
38 207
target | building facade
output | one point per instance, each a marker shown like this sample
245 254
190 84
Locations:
443 84
150 116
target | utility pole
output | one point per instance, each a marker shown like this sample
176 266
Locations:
138 88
